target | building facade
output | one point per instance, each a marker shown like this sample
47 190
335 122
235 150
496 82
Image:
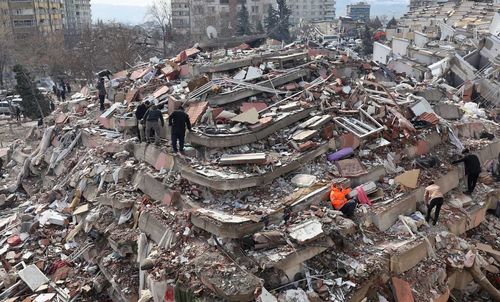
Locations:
35 16
77 17
195 16
359 11
312 10
4 17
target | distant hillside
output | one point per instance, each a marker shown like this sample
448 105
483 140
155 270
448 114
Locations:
119 13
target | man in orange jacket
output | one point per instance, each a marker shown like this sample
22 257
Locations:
338 198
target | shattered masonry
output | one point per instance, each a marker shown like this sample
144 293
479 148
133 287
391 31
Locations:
91 214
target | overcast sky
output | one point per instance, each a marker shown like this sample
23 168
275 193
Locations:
123 2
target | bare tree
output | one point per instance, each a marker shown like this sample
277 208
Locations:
159 13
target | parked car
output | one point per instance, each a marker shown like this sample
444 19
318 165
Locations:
5 108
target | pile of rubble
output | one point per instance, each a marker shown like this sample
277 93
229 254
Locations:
91 214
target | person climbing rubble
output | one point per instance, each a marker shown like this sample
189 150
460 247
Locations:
472 169
153 117
179 121
338 198
433 199
140 111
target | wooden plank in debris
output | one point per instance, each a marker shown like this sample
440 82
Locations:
195 111
408 179
241 159
305 135
248 117
160 92
320 122
290 106
487 248
351 167
309 122
401 290
131 95
62 118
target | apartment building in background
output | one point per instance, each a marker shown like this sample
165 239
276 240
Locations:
4 17
311 10
359 11
195 16
26 17
36 16
78 16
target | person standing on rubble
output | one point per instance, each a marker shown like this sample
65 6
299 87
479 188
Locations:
140 111
433 199
63 91
1 167
472 169
102 93
179 120
152 117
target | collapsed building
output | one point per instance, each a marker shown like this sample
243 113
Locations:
90 214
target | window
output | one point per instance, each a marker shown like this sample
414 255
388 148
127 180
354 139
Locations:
23 23
255 9
211 9
224 2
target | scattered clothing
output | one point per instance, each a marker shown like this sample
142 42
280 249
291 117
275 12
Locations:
362 197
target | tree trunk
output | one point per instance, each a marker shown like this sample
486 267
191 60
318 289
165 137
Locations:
485 284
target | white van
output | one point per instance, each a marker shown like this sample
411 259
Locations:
5 108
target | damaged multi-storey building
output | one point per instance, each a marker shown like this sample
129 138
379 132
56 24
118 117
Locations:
91 214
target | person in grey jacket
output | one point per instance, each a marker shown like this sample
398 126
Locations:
153 117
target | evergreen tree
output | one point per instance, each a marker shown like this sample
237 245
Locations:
35 104
271 21
392 23
259 28
376 23
243 27
283 33
367 41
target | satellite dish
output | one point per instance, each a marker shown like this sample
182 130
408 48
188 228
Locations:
211 32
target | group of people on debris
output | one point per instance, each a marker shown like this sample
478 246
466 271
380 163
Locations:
433 197
61 90
149 117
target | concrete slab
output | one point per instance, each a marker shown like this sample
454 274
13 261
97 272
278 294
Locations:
33 277
410 254
241 159
222 141
225 225
307 231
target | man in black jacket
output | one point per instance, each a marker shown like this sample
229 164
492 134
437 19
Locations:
140 111
179 120
472 169
152 117
102 93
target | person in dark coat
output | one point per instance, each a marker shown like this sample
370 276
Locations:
178 121
152 117
63 91
1 167
140 111
68 87
472 169
102 93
